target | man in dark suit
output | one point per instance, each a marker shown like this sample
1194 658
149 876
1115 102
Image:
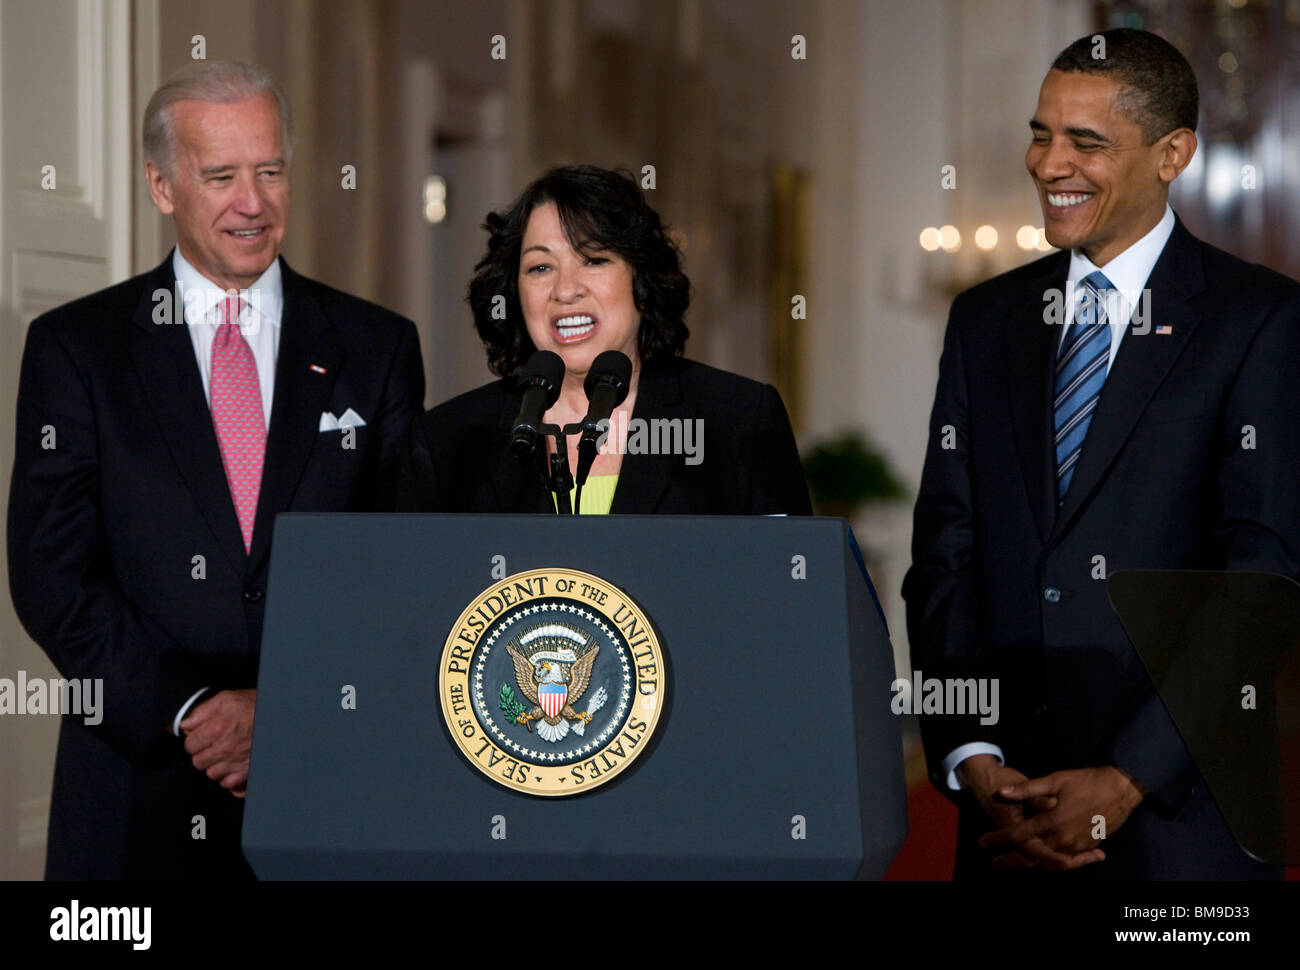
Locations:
1165 441
162 424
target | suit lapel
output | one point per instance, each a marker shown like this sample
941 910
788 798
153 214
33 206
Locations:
302 392
1141 365
163 355
643 478
1029 349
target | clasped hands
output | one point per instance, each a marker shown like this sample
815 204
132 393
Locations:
1048 822
219 735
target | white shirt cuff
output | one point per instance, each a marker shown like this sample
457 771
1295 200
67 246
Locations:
185 708
960 754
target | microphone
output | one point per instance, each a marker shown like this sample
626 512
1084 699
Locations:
607 385
540 379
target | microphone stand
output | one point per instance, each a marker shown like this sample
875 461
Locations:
560 480
577 495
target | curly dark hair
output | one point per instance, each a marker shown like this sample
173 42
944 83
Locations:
599 210
1158 85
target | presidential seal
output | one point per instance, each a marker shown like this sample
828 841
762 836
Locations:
552 682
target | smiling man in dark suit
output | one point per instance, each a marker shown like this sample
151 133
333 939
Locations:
162 424
1120 435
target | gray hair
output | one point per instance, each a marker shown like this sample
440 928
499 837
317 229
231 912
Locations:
217 82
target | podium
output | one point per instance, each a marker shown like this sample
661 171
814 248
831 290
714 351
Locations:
774 755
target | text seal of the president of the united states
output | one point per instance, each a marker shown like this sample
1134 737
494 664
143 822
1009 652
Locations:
552 682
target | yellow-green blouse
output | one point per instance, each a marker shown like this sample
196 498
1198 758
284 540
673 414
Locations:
597 494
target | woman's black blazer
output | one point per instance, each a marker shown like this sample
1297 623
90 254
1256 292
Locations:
458 459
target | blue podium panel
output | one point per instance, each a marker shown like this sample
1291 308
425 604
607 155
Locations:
776 756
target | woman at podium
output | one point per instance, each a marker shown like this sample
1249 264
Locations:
580 265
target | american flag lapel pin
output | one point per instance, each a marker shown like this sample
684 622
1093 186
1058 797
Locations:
321 370
1164 330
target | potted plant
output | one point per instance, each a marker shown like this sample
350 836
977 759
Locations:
847 472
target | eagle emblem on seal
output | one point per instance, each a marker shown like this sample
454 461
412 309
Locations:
552 664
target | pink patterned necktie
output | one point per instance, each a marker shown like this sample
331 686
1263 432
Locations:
237 415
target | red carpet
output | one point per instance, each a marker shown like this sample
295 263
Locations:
932 839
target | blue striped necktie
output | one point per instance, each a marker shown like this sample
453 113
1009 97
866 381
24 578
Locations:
1080 374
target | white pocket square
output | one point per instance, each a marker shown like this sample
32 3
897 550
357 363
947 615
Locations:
348 419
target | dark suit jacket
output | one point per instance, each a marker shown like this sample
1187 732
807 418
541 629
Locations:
1002 582
459 457
105 528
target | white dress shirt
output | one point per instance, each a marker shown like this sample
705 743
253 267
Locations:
259 321
1128 274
